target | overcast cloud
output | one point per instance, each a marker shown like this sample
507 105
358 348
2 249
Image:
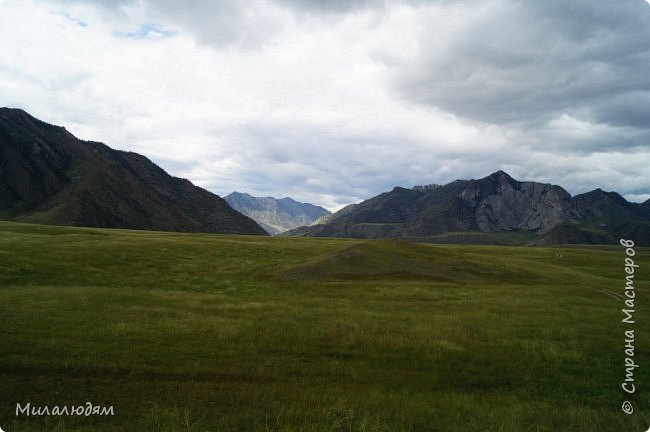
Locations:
331 102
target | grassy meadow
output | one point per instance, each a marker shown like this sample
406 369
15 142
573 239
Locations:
194 332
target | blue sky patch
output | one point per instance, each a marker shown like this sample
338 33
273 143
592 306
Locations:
149 31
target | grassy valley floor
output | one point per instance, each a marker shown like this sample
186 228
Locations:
191 332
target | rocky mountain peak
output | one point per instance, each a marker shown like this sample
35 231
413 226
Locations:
425 188
501 175
275 215
494 204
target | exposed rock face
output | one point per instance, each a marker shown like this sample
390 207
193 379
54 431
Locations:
425 188
49 176
494 204
503 203
276 215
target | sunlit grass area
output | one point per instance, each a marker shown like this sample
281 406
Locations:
183 332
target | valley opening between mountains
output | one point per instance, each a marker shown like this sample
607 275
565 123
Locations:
488 304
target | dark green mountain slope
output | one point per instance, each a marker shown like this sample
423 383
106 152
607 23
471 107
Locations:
48 176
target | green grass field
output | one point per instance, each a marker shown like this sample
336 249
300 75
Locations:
183 332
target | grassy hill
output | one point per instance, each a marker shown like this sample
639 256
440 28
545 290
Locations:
201 332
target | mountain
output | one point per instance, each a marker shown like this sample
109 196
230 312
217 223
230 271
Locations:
496 209
275 215
48 176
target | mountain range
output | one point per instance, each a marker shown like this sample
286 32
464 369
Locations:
496 209
275 215
49 176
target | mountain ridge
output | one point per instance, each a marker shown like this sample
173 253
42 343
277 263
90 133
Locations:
49 176
273 214
484 210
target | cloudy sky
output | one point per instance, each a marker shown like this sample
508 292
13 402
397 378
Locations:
332 101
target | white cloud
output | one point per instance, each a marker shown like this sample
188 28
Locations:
335 104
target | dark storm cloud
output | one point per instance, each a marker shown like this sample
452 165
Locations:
631 109
529 62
